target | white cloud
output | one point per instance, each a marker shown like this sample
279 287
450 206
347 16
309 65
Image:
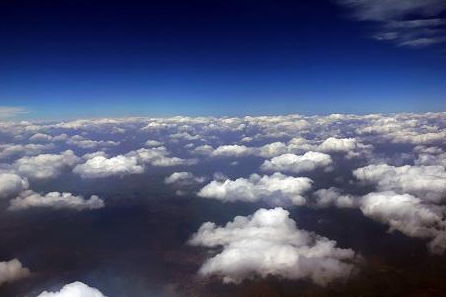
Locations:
334 197
100 166
75 289
426 182
269 243
12 270
297 163
30 199
277 188
11 185
393 19
9 150
159 157
403 212
84 143
273 149
153 143
7 112
41 137
46 165
183 178
232 151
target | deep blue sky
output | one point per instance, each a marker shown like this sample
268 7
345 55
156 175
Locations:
66 59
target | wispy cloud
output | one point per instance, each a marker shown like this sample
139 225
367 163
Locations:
7 112
413 23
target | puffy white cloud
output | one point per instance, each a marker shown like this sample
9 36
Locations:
100 166
84 143
159 157
9 150
233 151
41 137
401 212
273 149
276 188
75 289
12 270
29 199
183 178
269 243
11 184
351 146
404 212
45 165
297 163
153 143
429 156
334 197
94 154
333 144
426 182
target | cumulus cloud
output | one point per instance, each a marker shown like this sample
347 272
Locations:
12 270
183 178
334 197
276 188
153 143
159 156
29 199
11 185
10 150
232 151
426 182
402 212
46 165
75 289
405 213
100 166
269 243
81 142
297 163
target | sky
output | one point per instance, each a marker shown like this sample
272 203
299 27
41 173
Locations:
71 59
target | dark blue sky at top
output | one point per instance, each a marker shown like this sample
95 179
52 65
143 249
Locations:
66 59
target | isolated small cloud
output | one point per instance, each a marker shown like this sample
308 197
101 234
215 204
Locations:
269 243
12 270
297 163
100 166
232 151
334 197
153 143
75 289
183 178
56 200
276 188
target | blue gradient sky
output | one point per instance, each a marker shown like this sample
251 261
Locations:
67 59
